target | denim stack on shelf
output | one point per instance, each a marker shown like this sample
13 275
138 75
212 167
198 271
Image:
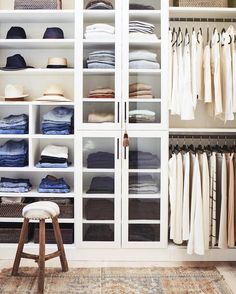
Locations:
53 156
14 154
14 124
143 160
58 121
51 184
100 160
101 185
101 59
9 185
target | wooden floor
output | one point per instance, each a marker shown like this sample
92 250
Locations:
227 269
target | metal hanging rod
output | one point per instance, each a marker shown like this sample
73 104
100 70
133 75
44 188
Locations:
190 19
204 136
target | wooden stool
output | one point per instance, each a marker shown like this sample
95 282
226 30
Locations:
40 210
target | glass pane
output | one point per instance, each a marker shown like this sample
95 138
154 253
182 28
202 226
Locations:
145 209
98 183
98 209
98 232
144 233
144 183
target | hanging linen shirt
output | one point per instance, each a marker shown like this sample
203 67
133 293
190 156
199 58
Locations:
170 61
223 212
231 212
199 62
196 237
213 199
231 32
187 109
186 196
207 75
227 81
194 67
172 193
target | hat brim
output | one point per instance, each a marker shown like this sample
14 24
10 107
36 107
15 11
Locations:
22 96
14 68
53 98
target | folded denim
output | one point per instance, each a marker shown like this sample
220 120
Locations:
13 147
53 190
100 160
16 181
14 190
136 6
14 131
65 132
51 182
59 114
143 64
13 119
13 185
52 165
142 55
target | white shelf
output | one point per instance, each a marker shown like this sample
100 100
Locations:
139 170
36 16
146 196
135 100
91 44
99 15
11 136
37 44
100 170
69 169
35 194
149 44
88 196
144 71
42 136
20 220
201 12
203 131
39 71
151 16
99 100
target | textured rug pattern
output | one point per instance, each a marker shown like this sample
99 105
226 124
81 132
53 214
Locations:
153 280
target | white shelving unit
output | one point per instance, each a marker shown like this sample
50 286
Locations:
114 228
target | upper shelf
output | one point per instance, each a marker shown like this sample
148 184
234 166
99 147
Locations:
99 15
145 15
37 44
33 16
39 71
202 12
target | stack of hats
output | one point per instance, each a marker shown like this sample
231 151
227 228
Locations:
53 156
58 121
102 93
100 31
143 59
140 90
14 124
51 184
142 184
100 160
143 160
14 153
142 116
137 6
9 185
101 59
141 31
101 185
99 4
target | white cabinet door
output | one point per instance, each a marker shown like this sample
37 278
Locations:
100 189
144 190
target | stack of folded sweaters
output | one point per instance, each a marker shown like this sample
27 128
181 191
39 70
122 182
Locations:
99 209
144 209
101 59
51 184
100 31
143 160
53 156
142 116
143 59
14 154
58 121
9 185
101 185
99 232
102 93
142 184
145 233
141 31
137 6
14 124
140 90
99 4
100 160
102 117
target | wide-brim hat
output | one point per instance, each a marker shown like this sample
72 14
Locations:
53 93
15 62
14 92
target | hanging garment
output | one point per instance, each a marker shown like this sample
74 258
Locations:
196 236
199 62
213 199
186 195
180 74
231 212
231 32
218 191
194 67
207 75
235 197
172 193
170 77
223 212
187 110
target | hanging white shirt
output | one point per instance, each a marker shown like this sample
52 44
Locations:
170 61
231 32
172 193
180 74
213 198
207 75
186 196
194 67
199 62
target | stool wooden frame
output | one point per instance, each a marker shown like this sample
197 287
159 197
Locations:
41 258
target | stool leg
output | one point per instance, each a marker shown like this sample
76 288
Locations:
60 246
41 261
20 247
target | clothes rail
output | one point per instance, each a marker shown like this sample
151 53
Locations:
191 19
205 135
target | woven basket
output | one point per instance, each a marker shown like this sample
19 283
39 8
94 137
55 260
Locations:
232 3
201 3
10 233
38 4
11 209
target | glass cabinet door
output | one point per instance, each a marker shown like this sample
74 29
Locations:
145 172
100 189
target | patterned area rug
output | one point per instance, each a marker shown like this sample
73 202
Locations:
153 280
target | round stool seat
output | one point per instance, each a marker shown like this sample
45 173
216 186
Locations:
41 210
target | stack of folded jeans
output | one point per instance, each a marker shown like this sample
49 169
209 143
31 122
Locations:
100 160
142 184
101 118
14 124
101 185
9 185
51 184
99 4
140 90
142 116
141 31
14 154
53 156
143 59
100 31
143 160
101 59
102 93
58 121
137 6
